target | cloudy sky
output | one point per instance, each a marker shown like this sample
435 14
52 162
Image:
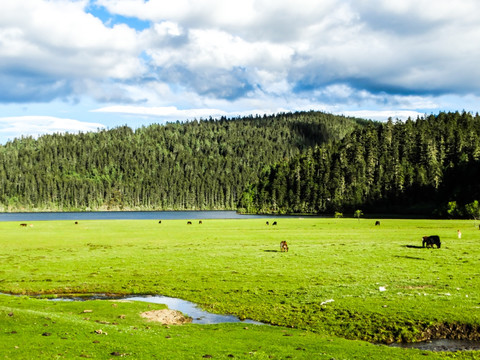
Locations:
82 65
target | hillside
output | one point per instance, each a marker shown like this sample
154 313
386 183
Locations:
195 165
430 166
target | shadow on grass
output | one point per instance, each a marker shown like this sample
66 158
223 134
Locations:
409 257
271 251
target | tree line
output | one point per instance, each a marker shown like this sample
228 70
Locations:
428 166
202 164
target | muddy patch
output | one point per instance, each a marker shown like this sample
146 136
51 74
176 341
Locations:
441 345
167 317
451 331
445 337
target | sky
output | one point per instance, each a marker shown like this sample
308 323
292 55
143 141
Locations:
84 65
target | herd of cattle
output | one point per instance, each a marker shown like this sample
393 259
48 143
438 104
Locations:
427 241
188 222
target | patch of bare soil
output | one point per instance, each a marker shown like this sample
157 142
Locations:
167 317
451 331
441 345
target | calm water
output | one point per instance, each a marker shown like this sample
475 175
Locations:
199 316
125 215
442 345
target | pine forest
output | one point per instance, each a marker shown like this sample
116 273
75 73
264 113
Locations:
304 162
199 165
430 166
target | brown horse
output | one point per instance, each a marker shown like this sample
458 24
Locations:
283 246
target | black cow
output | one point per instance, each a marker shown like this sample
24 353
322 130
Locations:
189 223
431 240
267 223
159 221
274 223
76 222
200 222
23 224
377 223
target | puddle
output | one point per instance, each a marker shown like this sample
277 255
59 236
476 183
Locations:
441 345
198 315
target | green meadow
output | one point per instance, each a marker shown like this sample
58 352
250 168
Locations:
345 288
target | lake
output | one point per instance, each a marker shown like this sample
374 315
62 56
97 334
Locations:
126 215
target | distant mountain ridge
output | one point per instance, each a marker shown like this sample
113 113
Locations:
194 165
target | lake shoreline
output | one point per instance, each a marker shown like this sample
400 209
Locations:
125 215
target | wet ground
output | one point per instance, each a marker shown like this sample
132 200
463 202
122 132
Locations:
441 345
188 308
199 316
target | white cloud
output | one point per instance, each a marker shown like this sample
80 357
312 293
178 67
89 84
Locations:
214 57
59 39
16 126
412 46
168 28
170 112
383 115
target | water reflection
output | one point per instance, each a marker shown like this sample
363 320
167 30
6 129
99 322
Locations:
441 345
199 316
125 215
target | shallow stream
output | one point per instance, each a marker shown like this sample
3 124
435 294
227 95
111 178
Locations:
188 308
198 315
441 345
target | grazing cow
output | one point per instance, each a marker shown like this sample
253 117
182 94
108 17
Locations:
283 246
76 222
23 224
189 223
200 222
377 223
267 223
431 240
159 221
274 223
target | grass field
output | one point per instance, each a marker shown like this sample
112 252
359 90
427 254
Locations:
343 285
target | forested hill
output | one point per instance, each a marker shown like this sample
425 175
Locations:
195 165
428 166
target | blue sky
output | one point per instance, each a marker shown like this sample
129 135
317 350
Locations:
83 65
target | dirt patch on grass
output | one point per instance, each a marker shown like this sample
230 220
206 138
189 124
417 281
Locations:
167 317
